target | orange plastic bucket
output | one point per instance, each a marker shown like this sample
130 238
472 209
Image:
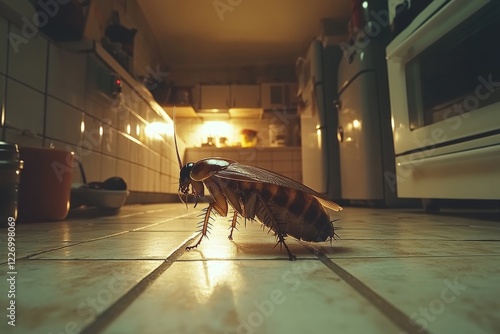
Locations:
45 185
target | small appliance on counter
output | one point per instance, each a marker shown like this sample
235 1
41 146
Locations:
248 138
10 168
277 135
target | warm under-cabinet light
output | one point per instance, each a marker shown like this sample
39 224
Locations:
356 124
216 129
155 130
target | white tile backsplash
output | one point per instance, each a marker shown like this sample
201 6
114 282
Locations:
47 96
282 166
3 45
91 138
149 180
142 156
297 154
109 146
123 170
64 122
154 161
123 146
15 136
92 165
24 107
136 179
297 165
108 167
66 77
265 164
173 185
134 152
174 168
156 182
123 118
164 183
283 156
94 108
165 166
27 62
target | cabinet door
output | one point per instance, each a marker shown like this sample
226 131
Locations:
292 100
245 96
272 95
215 96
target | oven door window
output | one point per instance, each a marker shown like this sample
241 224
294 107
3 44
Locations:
457 74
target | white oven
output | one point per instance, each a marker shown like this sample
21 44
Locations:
444 79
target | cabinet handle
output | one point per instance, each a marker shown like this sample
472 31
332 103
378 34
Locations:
340 134
337 104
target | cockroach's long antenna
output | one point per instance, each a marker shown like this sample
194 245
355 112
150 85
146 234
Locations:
180 197
175 141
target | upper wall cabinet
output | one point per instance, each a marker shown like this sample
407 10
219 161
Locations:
230 96
245 96
215 96
279 95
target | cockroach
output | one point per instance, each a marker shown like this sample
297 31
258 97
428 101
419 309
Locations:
285 206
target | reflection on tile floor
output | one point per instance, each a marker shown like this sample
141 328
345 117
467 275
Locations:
392 271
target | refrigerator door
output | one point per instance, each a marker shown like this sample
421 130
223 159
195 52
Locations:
312 119
313 159
359 140
320 166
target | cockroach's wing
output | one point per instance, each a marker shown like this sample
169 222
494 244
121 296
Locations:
241 172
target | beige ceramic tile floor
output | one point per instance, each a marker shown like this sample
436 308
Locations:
392 271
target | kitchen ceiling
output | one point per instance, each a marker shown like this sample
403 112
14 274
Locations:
238 32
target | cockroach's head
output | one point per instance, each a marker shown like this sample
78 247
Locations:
185 178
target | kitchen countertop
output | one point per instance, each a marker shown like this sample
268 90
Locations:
130 273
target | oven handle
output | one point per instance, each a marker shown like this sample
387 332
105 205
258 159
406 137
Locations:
488 151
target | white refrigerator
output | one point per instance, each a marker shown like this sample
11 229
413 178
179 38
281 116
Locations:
317 76
364 132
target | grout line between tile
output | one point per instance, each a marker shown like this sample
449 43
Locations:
340 257
163 221
398 317
74 244
104 319
28 257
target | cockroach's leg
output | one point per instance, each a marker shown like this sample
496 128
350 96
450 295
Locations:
234 221
280 235
281 239
204 228
334 234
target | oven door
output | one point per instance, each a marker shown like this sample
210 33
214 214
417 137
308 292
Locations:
444 79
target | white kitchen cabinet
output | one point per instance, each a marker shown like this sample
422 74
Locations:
230 96
245 96
215 96
279 95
